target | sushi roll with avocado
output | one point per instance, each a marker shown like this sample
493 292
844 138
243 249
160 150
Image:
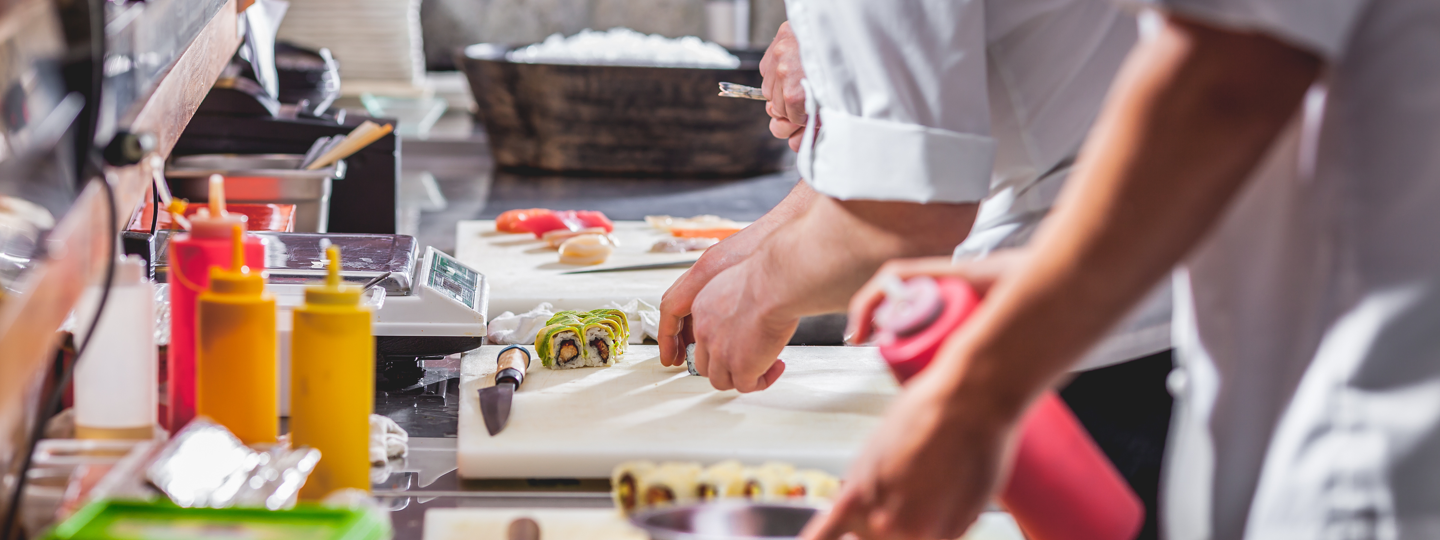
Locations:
599 343
768 482
560 346
625 484
724 480
813 486
669 484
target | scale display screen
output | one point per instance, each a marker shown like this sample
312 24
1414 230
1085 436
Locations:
452 279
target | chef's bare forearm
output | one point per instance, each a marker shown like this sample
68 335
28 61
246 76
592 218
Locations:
1191 115
789 209
815 263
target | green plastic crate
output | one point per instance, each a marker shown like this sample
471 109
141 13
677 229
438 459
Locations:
136 520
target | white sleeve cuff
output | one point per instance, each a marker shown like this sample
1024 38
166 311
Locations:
869 159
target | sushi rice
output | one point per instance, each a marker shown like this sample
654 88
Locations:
574 339
640 485
768 482
669 484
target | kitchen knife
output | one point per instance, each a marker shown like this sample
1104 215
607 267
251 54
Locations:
509 373
651 266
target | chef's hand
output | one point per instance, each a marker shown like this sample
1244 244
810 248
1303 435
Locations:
981 274
675 306
730 324
677 303
782 74
937 459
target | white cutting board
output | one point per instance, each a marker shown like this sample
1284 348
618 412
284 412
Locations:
494 523
557 524
580 423
523 272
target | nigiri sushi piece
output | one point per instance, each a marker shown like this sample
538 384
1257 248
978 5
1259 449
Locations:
586 250
559 236
682 245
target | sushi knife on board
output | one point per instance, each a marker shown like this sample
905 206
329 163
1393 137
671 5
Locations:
509 373
651 266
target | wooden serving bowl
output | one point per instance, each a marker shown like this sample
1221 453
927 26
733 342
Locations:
620 120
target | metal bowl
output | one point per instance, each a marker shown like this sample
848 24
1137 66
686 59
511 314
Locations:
726 520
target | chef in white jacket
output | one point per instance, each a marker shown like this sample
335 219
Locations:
1287 154
927 108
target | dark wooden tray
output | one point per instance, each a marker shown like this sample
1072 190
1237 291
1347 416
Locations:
620 120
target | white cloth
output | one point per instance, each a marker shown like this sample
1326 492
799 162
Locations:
1306 322
644 319
949 100
387 440
510 329
957 100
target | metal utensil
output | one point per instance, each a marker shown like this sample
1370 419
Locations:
652 266
730 520
741 91
495 400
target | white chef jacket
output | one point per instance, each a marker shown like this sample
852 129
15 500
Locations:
1307 324
960 100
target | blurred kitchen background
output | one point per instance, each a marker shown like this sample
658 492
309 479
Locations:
397 58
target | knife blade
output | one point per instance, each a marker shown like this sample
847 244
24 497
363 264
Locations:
651 266
495 401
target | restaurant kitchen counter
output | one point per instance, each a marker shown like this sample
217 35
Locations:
445 182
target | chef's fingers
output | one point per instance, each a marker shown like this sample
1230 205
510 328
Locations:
776 370
719 372
796 140
674 308
792 97
844 520
784 129
762 382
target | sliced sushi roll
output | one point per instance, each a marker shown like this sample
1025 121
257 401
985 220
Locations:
768 482
724 480
560 347
625 484
814 486
616 315
564 317
599 344
669 484
615 330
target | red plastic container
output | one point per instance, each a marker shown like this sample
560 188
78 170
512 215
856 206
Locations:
190 259
1061 486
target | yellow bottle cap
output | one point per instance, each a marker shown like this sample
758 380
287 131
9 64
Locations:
334 292
238 279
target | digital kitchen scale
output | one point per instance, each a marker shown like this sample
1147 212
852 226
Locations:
433 305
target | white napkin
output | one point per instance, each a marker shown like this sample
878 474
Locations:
644 319
387 440
511 329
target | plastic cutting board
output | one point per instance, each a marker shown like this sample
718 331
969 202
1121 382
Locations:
523 272
493 523
580 423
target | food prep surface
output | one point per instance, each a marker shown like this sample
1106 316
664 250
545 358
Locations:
580 423
523 271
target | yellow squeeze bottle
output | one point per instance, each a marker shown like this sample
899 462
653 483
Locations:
236 371
332 383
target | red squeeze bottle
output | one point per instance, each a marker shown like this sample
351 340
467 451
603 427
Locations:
191 255
1061 486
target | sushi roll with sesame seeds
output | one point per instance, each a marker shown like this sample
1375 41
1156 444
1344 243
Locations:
768 482
724 480
625 484
669 484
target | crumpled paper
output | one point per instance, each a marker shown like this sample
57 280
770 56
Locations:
387 440
511 329
644 319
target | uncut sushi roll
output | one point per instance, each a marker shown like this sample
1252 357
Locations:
669 484
599 343
768 482
625 484
813 486
724 480
560 346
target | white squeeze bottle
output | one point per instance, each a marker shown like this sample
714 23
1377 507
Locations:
116 384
